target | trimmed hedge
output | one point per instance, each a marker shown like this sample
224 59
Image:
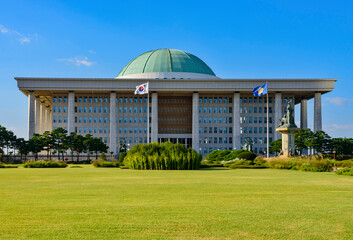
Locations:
225 155
247 156
344 164
101 163
7 166
164 156
345 171
45 164
255 163
309 165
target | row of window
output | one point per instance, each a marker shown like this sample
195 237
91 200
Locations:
91 109
132 120
167 110
132 140
255 120
250 109
92 129
254 130
259 140
102 99
215 109
132 130
216 120
263 99
215 130
210 140
215 100
59 109
206 150
91 120
59 119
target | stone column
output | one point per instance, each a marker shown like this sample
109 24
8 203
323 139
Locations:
154 123
304 114
37 114
42 118
46 123
278 113
317 112
71 113
50 119
195 122
236 121
31 114
112 136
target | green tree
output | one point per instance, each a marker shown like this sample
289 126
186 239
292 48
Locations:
276 146
59 137
23 147
35 145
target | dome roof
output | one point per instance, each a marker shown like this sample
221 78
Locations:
166 61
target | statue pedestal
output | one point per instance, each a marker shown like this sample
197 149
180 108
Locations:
288 141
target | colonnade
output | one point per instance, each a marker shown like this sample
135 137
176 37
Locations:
39 115
40 120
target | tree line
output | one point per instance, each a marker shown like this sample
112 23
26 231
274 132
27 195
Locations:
52 142
319 141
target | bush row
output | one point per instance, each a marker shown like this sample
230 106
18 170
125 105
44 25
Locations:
102 163
313 165
345 171
225 155
164 156
7 166
45 164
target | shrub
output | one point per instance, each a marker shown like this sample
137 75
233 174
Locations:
164 156
247 156
248 164
311 165
344 163
103 157
101 163
345 171
317 166
124 167
205 164
45 164
7 166
122 157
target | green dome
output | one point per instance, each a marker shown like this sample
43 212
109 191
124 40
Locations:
166 60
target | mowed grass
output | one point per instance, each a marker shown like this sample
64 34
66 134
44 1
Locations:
98 203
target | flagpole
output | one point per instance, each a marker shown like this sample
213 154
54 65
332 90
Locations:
148 113
268 150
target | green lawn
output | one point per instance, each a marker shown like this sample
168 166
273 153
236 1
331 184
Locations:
96 203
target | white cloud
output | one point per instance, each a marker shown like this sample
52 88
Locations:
21 37
338 101
334 126
3 29
78 61
91 52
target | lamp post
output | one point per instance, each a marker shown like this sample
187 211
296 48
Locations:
128 146
334 154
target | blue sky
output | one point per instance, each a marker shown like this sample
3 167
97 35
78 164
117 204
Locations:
237 39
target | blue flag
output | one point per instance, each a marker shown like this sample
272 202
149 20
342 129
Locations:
260 90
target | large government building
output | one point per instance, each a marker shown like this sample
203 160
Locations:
189 104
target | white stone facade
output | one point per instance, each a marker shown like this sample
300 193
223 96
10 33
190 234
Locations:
220 115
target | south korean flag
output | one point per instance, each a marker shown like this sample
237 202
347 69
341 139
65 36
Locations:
142 89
